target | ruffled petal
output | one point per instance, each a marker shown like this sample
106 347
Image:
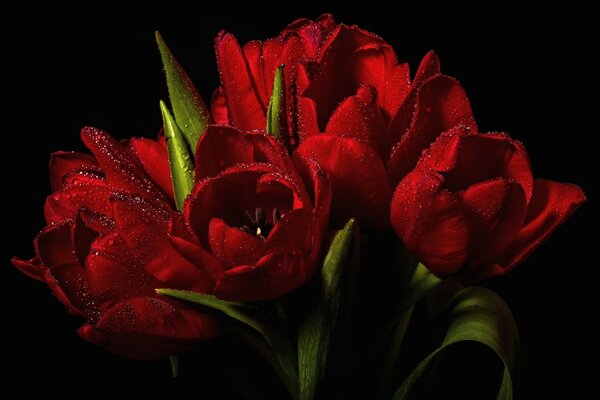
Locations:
494 210
149 328
441 105
273 276
551 204
33 268
430 222
357 176
144 230
63 163
120 165
155 160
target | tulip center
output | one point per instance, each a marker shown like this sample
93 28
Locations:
259 226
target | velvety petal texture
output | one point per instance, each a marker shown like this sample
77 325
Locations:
471 207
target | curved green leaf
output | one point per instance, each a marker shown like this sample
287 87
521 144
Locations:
327 321
191 113
249 315
180 161
477 314
276 110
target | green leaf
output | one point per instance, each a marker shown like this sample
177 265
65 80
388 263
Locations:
248 315
180 162
330 316
174 365
191 113
476 314
276 110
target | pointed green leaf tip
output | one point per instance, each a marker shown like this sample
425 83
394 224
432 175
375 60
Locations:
180 162
191 113
275 112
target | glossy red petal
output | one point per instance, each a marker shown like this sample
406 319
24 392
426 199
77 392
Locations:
358 179
54 246
120 165
82 237
32 268
233 246
494 210
218 107
69 284
144 230
273 276
155 160
201 258
244 106
358 117
430 223
441 105
148 328
226 196
63 163
479 158
114 274
64 204
219 148
551 204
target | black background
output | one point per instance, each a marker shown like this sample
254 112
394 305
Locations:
528 74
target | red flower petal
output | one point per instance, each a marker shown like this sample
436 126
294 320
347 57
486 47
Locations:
494 211
63 163
144 230
82 237
228 196
476 158
218 107
69 284
358 179
358 117
114 274
430 222
551 204
343 69
148 328
233 246
441 105
219 148
53 245
65 204
244 106
201 258
32 268
120 165
402 118
273 276
153 157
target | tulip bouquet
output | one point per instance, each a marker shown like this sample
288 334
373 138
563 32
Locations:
326 197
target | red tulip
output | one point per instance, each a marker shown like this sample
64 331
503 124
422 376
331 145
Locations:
471 206
106 248
361 116
247 73
349 102
260 213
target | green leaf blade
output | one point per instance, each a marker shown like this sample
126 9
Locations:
190 111
180 161
479 315
281 348
276 109
329 319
